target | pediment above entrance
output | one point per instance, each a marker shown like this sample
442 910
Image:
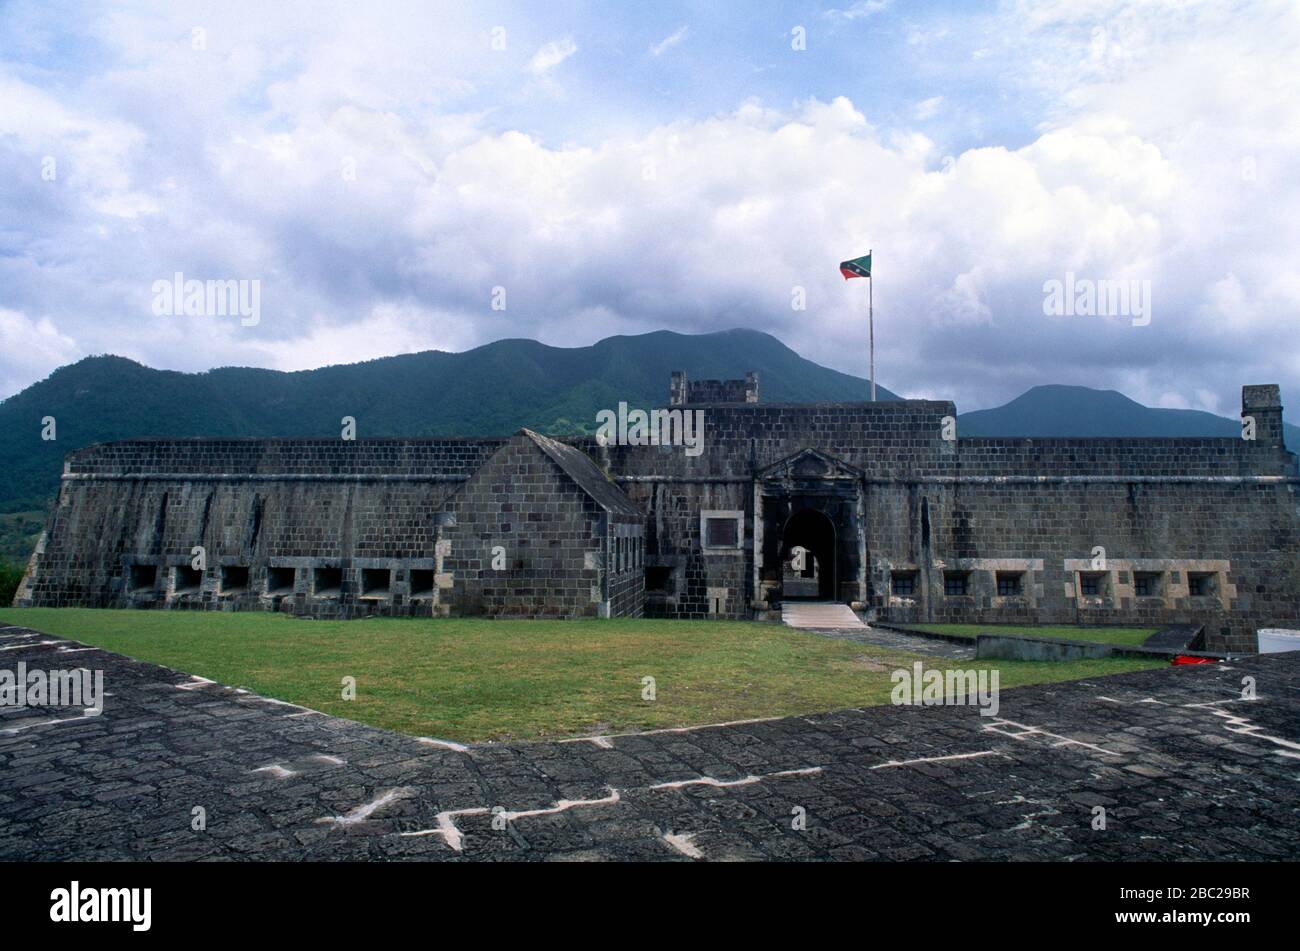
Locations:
810 465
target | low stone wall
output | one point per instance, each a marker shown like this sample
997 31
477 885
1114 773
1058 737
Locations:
998 646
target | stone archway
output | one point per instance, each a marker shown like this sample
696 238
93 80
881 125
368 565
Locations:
814 501
810 530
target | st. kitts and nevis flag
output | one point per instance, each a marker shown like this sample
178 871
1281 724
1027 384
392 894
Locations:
858 267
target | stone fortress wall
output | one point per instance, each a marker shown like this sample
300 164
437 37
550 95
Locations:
1207 529
906 524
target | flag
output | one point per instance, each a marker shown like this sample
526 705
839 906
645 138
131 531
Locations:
858 267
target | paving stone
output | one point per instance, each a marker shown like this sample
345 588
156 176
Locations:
1186 782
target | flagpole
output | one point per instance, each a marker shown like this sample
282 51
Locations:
871 332
861 267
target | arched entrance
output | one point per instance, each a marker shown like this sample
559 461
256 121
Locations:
808 556
815 502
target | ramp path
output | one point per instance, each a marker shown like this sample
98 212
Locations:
820 615
838 621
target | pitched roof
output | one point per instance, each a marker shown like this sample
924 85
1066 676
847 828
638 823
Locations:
579 467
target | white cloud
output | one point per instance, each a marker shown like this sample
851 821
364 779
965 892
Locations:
389 329
32 350
926 37
1139 170
552 55
926 108
658 49
74 150
860 10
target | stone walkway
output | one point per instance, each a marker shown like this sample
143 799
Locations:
1183 767
838 621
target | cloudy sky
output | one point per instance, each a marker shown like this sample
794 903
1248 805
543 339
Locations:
618 168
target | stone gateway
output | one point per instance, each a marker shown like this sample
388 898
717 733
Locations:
877 505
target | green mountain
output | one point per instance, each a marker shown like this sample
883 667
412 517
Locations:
491 390
1057 410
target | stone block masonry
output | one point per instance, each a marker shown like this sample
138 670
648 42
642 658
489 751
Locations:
902 523
526 541
684 392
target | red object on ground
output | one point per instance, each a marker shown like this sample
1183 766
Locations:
1182 660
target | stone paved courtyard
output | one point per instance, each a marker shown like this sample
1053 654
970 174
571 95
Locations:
1184 768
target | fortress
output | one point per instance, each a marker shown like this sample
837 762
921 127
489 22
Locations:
879 505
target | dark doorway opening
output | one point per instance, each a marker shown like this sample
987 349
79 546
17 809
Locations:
808 557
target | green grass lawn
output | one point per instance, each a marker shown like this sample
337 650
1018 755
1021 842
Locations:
1132 636
467 680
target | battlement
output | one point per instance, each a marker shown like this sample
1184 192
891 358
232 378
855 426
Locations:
683 391
1261 415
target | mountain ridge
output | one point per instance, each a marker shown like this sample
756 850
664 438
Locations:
1059 409
494 389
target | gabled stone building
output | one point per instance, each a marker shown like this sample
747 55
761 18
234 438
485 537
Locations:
897 515
539 531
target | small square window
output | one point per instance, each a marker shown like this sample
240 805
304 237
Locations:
956 583
143 577
234 579
1200 584
904 584
721 533
280 580
187 580
329 582
375 582
1010 584
421 582
1092 584
1146 584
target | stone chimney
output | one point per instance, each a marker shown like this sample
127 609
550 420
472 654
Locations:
751 387
1263 404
